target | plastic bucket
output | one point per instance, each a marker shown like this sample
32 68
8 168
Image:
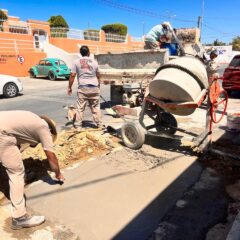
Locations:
233 122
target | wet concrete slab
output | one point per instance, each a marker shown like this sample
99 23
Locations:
105 199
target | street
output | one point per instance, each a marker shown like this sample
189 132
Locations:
45 97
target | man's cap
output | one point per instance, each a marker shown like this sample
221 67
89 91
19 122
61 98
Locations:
214 52
51 125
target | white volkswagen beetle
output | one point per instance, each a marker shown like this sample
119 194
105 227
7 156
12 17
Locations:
10 86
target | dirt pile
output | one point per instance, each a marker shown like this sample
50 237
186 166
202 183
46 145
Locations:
72 146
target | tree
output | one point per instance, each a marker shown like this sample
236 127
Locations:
236 43
218 43
116 28
3 17
58 22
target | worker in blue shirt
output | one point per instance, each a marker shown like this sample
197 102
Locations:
157 35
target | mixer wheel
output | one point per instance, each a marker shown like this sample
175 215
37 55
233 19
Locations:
166 122
220 106
133 135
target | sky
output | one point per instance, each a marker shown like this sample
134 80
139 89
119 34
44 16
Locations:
220 18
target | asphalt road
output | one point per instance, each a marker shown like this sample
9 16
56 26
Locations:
46 97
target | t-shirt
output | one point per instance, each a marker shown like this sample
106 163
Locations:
86 69
155 33
26 127
211 67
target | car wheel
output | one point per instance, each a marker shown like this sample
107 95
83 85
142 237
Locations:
31 74
10 90
51 76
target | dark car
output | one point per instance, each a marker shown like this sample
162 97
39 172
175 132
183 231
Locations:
231 76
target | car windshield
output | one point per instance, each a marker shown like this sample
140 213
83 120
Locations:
60 63
235 62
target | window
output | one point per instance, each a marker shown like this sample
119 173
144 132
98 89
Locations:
48 63
235 62
42 63
62 62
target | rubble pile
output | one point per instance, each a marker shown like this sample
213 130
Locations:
72 146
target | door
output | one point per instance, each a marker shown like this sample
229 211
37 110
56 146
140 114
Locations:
41 67
36 41
234 67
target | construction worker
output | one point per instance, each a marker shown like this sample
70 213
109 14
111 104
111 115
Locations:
18 128
212 66
87 73
158 35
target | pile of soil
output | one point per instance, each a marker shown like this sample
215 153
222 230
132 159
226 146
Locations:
72 146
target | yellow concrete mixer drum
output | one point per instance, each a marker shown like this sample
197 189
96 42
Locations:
180 80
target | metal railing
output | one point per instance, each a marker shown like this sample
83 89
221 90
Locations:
16 46
92 35
15 27
115 38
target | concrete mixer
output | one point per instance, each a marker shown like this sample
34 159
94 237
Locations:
178 87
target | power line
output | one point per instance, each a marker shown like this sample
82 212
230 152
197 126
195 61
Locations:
141 11
219 31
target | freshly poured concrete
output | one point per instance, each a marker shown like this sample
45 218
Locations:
111 199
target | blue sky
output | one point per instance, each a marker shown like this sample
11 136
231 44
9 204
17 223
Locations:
220 18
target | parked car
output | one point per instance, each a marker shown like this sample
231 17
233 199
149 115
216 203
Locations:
10 86
51 68
231 76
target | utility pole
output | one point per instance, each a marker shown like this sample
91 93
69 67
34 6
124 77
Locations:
200 20
143 28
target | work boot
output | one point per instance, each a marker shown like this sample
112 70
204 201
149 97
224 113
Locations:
27 221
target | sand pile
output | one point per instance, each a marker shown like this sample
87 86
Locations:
72 146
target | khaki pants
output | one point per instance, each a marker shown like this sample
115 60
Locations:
90 96
11 159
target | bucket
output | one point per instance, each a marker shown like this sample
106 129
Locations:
180 80
233 122
172 48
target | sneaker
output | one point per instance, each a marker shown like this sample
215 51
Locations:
27 221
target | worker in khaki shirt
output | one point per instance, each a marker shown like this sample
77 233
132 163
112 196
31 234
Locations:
87 73
212 66
18 128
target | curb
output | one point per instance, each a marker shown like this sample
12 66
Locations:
234 233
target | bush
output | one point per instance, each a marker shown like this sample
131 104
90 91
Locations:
3 17
58 22
116 28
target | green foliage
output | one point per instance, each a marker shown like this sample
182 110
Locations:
236 43
218 43
116 28
58 22
3 17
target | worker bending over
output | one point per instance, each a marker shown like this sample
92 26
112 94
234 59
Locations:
18 128
158 35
